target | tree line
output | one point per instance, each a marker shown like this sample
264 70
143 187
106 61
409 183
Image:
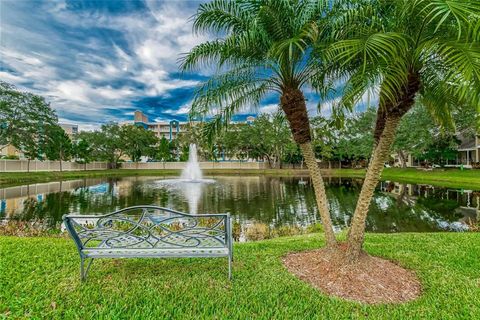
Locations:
417 135
30 125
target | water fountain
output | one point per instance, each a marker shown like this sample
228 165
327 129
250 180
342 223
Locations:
191 182
192 171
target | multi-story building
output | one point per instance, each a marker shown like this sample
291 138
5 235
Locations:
469 150
70 129
162 129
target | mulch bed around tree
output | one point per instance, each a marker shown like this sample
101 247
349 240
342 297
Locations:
371 280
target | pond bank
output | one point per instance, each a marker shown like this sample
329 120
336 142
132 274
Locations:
467 179
47 285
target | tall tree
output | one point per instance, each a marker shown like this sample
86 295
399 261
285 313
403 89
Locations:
262 47
414 134
23 117
106 144
137 141
350 141
57 144
325 138
164 150
31 146
355 139
441 149
268 137
426 50
82 150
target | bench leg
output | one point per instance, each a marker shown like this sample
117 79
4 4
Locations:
230 268
83 271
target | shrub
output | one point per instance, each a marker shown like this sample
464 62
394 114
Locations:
10 157
257 231
473 226
236 231
287 230
315 228
33 228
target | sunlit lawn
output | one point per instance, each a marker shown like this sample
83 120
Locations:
455 178
39 278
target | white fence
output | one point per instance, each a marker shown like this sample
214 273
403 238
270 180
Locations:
36 165
203 165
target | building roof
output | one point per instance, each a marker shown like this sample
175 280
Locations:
466 143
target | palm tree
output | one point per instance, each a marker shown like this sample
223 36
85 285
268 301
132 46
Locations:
425 50
263 47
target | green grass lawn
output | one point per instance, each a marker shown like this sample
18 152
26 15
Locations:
454 178
39 278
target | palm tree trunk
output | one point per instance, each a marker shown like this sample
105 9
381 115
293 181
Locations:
320 194
388 118
375 168
379 125
293 104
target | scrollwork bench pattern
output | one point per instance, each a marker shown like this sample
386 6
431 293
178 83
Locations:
150 232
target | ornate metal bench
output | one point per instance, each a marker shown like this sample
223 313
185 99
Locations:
150 232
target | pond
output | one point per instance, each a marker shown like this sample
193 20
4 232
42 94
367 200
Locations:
276 201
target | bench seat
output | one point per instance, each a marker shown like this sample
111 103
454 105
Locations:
156 253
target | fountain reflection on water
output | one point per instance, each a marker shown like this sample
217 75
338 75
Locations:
191 181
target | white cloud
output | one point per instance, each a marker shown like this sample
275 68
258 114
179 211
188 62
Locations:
82 79
73 90
27 67
185 109
11 78
269 108
158 82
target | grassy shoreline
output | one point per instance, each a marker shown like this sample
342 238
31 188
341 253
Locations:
454 178
40 279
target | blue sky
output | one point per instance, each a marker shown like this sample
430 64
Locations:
98 61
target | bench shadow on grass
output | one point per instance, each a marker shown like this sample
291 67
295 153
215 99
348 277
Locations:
156 268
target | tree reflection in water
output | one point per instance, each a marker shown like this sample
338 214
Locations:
275 201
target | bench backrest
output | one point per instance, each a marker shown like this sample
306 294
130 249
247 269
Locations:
143 227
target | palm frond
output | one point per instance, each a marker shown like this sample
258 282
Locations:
222 15
263 45
375 48
394 81
222 115
460 58
277 18
441 13
203 55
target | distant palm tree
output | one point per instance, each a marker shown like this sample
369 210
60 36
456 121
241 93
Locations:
426 50
263 46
